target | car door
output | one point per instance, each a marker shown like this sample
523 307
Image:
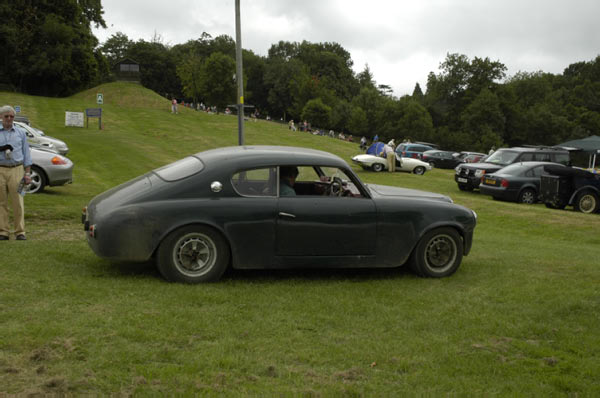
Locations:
313 225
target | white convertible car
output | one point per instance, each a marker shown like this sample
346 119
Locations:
376 163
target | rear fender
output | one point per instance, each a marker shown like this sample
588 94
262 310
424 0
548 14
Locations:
582 189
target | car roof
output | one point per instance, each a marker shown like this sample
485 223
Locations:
533 149
264 155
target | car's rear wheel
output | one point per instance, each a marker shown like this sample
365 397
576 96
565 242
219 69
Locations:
587 202
377 167
193 254
419 170
438 253
38 180
527 196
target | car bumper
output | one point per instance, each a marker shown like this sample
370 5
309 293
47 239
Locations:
471 182
59 174
499 192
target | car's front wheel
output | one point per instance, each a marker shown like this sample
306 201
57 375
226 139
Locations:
587 202
377 167
527 196
193 254
438 253
419 170
38 180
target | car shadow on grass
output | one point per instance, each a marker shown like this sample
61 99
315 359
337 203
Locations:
334 274
148 270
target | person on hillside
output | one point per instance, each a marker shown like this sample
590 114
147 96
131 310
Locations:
363 143
287 179
376 138
174 105
15 166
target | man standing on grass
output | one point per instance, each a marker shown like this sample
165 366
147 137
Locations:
15 165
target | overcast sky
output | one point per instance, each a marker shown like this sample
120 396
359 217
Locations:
401 41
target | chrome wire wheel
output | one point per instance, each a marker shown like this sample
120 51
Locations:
194 254
440 253
587 203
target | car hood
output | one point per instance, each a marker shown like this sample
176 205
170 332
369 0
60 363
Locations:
386 191
482 165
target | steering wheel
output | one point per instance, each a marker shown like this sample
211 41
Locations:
335 187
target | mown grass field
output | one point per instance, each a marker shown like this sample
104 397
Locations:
521 317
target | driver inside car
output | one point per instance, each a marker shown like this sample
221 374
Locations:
287 179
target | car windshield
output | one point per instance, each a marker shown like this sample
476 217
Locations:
180 169
502 157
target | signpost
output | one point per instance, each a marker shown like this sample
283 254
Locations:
100 98
17 108
74 119
93 112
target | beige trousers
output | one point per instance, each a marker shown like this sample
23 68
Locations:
9 182
391 161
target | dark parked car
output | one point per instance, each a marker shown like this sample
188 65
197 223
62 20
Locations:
441 159
222 208
468 176
570 186
518 182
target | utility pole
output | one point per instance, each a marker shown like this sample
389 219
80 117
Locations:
239 76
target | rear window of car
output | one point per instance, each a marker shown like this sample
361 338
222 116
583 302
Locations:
180 169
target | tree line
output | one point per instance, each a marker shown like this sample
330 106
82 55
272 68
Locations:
468 104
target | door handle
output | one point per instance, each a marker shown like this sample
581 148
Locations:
282 214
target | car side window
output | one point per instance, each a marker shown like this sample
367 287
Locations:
562 158
526 157
542 157
256 182
537 171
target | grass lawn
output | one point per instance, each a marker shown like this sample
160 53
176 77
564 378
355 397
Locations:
520 317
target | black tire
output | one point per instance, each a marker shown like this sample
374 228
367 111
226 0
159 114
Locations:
438 253
419 170
466 188
38 180
587 202
377 167
193 254
527 196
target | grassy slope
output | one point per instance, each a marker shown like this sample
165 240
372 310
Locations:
520 316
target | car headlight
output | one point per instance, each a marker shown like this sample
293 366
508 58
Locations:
457 169
479 173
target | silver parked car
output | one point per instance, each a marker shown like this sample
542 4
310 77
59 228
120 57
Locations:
49 168
36 136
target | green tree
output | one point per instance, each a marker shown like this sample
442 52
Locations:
158 70
116 47
50 44
317 113
358 123
190 75
216 80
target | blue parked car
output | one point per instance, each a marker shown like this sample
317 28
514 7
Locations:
415 150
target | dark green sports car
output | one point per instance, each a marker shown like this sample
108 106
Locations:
223 207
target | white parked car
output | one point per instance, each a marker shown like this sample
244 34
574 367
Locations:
37 136
376 163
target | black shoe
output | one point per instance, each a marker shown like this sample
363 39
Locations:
3 237
21 237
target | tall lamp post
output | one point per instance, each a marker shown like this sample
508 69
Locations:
239 74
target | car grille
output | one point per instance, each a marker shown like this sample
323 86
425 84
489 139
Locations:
466 172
